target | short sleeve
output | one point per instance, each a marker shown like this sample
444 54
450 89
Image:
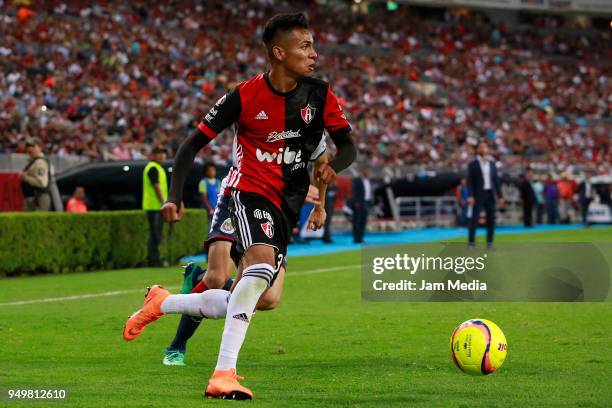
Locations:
225 112
333 116
202 186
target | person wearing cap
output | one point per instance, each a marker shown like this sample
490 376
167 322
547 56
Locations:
35 178
154 194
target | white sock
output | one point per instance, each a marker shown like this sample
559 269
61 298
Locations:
211 304
240 309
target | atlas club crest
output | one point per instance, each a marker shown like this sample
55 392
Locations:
308 113
268 229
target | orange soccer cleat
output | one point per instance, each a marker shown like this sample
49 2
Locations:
150 312
225 385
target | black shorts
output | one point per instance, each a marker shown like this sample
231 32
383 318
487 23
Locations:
259 222
222 228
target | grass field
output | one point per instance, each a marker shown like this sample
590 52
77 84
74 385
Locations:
322 347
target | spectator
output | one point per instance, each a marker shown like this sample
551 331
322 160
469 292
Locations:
538 189
76 204
209 188
120 93
551 197
566 195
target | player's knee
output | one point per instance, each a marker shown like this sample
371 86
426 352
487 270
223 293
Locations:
214 280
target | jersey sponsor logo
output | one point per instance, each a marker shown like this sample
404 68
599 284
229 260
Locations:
308 113
227 226
261 116
284 155
268 229
262 214
298 166
287 134
342 115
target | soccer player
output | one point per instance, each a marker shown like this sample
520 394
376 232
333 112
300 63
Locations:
223 250
280 117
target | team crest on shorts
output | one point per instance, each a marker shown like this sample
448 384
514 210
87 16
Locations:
227 226
268 229
308 113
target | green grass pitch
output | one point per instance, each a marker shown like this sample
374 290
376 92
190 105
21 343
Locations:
322 347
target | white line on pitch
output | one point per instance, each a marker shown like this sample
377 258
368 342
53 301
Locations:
123 292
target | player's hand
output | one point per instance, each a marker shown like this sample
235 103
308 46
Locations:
20 175
313 196
325 173
470 201
316 219
501 202
170 213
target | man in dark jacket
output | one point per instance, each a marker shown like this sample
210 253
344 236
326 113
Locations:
528 197
484 189
361 199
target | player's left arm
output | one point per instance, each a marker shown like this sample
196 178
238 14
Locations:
340 133
317 216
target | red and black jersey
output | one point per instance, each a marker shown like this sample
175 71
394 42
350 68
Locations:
276 135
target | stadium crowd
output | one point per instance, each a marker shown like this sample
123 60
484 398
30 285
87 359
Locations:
115 79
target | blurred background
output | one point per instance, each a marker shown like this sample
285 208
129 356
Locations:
101 84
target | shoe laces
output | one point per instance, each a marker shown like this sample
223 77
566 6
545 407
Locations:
174 355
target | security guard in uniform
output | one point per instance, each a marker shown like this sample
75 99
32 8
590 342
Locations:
35 178
154 194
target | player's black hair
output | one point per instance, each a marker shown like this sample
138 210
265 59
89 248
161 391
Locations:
282 23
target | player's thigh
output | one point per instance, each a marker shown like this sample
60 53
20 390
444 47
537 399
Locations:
219 264
259 254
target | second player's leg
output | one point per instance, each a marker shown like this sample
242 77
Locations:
219 264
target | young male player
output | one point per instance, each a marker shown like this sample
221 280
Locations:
223 251
281 115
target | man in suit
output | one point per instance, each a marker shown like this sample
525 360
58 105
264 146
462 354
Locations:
484 189
528 197
585 195
361 199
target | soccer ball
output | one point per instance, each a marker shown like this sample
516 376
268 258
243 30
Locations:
478 347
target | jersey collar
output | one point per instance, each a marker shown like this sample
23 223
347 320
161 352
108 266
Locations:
276 92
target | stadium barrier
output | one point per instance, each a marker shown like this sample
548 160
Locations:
41 243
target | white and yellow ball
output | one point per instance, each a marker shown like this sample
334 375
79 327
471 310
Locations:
478 347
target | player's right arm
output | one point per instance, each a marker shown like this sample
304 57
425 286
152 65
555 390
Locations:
225 112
